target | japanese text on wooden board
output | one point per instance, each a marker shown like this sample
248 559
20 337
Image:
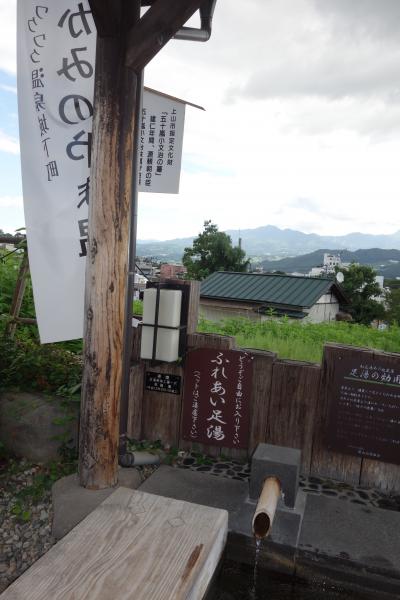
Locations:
217 397
364 417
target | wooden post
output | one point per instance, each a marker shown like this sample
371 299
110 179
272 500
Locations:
128 331
18 295
123 39
108 241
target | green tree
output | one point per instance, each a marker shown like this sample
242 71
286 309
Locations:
212 251
361 289
393 305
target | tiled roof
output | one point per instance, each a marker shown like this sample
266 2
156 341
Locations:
287 290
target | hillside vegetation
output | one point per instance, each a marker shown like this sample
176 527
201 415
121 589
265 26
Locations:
385 262
302 341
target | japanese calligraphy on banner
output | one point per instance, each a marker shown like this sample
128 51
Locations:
364 402
216 401
56 44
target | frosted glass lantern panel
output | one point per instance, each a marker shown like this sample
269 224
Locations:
167 347
169 309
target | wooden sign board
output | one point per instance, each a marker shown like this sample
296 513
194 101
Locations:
364 405
216 403
163 382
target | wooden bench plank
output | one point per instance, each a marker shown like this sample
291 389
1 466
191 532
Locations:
133 546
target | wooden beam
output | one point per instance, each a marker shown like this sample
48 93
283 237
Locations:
24 320
160 23
106 267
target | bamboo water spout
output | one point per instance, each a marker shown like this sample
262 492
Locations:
266 507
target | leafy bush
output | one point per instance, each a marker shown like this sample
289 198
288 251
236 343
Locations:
137 307
27 365
24 362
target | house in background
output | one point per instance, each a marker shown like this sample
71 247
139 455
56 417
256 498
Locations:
259 296
172 271
147 269
331 261
140 285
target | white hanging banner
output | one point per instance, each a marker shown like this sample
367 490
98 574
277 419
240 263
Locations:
56 44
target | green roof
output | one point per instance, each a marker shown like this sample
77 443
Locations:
287 290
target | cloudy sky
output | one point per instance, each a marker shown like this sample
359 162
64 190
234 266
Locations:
302 121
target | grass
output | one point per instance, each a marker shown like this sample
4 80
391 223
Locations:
302 341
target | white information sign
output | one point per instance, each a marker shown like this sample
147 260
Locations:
56 55
160 143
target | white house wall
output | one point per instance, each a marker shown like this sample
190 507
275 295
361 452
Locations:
325 309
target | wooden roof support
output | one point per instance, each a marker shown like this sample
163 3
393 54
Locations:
107 16
160 23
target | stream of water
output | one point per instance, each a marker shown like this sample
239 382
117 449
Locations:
254 588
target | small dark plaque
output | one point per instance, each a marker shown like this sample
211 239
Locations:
364 417
217 397
162 382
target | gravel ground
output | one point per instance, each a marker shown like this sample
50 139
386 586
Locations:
25 536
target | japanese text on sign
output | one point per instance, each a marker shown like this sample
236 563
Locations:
217 397
365 407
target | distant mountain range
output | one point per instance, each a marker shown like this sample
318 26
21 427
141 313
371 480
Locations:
168 250
270 242
386 262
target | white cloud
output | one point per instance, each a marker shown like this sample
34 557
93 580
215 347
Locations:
302 121
8 144
8 35
325 73
11 213
326 48
297 108
361 18
9 88
11 202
